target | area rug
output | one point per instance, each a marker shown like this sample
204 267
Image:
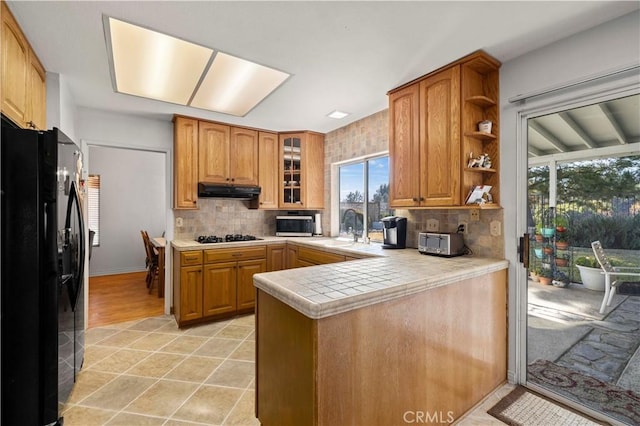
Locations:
523 408
614 401
629 288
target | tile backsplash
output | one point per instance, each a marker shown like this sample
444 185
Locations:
220 216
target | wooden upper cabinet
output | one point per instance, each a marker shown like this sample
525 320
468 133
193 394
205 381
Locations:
243 156
433 131
268 170
185 160
37 101
227 154
301 170
404 148
23 77
213 141
440 139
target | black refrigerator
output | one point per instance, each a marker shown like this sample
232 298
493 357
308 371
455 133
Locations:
43 258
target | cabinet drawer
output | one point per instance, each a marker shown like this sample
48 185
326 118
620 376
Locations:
244 253
318 257
188 258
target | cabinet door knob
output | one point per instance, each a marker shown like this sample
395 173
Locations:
414 199
421 198
233 179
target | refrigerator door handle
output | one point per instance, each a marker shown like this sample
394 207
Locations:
78 273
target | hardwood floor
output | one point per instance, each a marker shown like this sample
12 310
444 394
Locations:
121 297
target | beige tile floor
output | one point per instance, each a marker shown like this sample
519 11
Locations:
149 372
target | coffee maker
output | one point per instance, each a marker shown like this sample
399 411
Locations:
394 231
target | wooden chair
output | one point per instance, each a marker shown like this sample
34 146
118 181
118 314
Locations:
151 261
609 272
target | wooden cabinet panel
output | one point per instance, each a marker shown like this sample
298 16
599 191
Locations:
243 156
246 290
404 148
15 69
37 101
244 253
440 139
318 257
291 256
185 161
312 179
301 177
213 142
190 293
268 170
219 290
276 257
433 132
193 257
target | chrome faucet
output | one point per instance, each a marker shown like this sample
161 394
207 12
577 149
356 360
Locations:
355 223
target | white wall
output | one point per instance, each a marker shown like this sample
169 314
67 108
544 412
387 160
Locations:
612 45
94 127
132 198
61 110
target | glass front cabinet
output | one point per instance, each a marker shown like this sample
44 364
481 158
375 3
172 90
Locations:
301 170
291 170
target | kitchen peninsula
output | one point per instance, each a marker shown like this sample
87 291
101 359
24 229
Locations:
377 340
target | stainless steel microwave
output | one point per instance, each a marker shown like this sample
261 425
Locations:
294 226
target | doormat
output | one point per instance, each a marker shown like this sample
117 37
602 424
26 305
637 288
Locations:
628 288
614 401
523 408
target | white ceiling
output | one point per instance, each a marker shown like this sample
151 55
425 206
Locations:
342 55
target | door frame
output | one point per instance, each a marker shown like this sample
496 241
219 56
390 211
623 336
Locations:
604 89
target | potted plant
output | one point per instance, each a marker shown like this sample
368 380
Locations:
562 243
560 279
538 236
545 276
562 260
590 273
534 273
547 249
561 224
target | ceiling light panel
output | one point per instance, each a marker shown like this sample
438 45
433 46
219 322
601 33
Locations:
154 65
234 86
337 114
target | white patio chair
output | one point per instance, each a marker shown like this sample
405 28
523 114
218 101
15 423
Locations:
609 272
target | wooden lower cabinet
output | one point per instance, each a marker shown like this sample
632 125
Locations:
219 291
309 257
276 257
215 283
291 256
190 293
246 298
357 368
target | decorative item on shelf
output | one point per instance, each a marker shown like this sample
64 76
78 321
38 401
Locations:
479 195
485 126
560 279
483 161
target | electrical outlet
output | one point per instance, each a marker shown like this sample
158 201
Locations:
474 214
463 227
495 227
179 222
433 225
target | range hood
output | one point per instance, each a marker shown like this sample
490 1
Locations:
212 190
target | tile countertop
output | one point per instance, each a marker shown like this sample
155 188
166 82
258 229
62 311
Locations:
326 290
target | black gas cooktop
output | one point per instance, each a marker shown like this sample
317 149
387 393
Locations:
229 238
